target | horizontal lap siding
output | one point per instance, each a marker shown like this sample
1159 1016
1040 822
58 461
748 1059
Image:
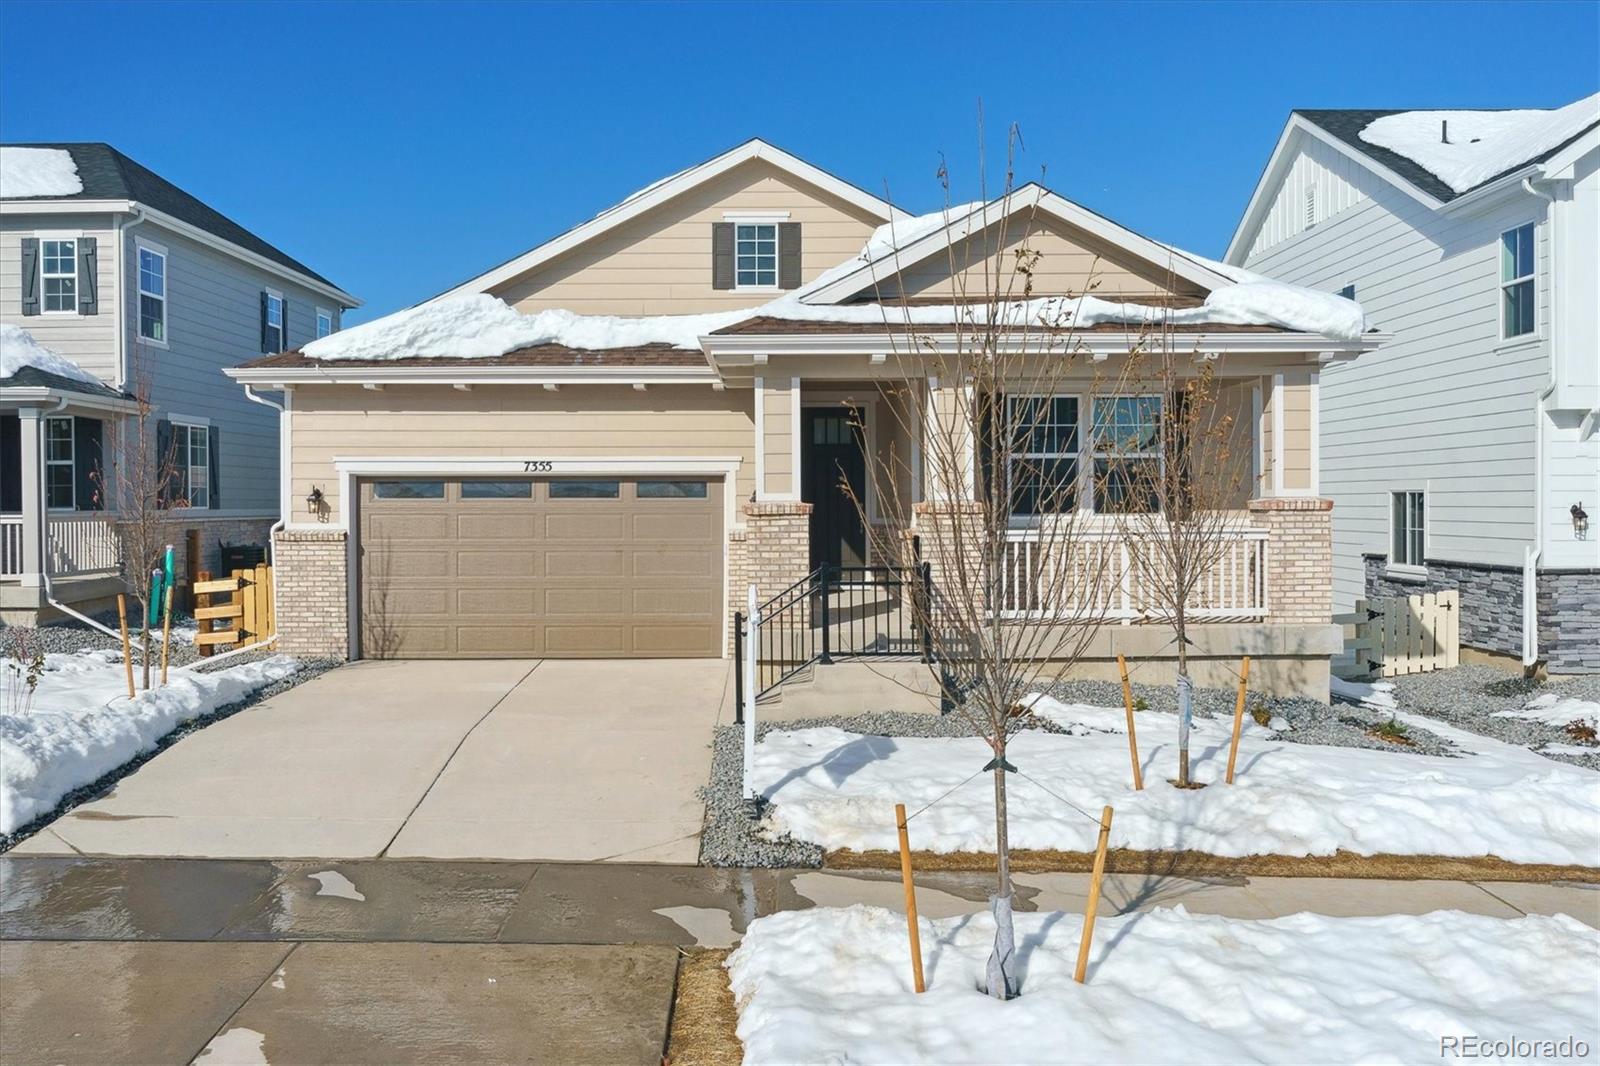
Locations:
512 422
88 340
1444 407
660 263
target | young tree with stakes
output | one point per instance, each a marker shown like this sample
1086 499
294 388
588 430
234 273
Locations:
994 399
1173 472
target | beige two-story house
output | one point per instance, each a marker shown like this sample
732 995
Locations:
597 448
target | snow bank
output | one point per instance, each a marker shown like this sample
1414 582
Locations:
834 985
18 349
838 789
1553 709
83 725
1482 143
38 172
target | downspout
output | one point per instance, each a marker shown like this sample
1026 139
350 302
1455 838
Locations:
123 225
1532 553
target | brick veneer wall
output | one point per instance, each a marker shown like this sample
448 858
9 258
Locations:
1491 608
1299 557
773 551
214 533
313 615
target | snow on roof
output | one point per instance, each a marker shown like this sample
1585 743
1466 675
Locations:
18 349
1464 149
38 172
481 326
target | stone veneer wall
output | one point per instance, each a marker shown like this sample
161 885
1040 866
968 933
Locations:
1491 608
313 612
1299 558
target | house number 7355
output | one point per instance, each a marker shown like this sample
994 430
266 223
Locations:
538 466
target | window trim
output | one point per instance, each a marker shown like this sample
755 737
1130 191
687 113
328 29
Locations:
1532 278
283 332
71 462
191 426
77 293
1407 570
777 251
1160 454
140 246
323 313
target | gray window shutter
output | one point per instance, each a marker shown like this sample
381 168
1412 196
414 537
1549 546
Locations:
722 255
86 452
88 277
264 347
214 458
283 329
788 255
30 275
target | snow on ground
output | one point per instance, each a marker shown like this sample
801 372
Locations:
1481 144
18 349
1554 709
1379 695
38 172
834 985
838 789
82 724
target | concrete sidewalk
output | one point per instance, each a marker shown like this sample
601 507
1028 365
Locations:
559 760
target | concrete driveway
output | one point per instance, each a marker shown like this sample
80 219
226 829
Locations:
531 759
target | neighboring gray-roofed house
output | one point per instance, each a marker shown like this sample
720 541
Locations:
151 292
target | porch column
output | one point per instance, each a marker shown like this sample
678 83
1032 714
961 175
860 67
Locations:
1299 558
773 550
33 508
947 434
777 443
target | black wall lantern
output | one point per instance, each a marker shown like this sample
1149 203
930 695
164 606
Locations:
314 500
1580 521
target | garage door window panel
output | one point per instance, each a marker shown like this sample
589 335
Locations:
408 490
671 490
497 490
585 490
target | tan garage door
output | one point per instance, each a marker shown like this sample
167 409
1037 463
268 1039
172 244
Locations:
573 568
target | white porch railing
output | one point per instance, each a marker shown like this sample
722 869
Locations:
10 545
1092 573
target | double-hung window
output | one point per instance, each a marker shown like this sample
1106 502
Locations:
1043 462
272 333
755 255
58 465
191 463
1518 301
152 294
59 272
324 322
1406 529
1127 454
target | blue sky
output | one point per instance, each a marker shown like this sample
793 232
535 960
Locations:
399 149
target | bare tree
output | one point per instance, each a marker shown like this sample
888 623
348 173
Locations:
1173 469
1021 572
139 484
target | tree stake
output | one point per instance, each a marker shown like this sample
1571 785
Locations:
911 897
1094 896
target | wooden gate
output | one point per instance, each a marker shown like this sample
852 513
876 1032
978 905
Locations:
234 610
1405 635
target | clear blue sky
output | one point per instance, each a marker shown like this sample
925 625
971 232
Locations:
400 148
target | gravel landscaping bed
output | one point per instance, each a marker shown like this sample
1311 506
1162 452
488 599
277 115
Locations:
730 838
308 669
1468 697
69 638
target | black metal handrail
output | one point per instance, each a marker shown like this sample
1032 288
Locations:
835 612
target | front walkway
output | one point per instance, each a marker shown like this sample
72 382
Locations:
552 759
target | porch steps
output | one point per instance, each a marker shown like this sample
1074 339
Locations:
847 688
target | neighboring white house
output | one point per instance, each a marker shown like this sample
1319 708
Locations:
148 291
1465 454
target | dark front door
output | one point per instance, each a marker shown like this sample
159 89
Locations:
831 457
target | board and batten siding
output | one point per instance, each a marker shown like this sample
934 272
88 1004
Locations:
1445 407
88 340
1320 184
331 422
213 323
660 263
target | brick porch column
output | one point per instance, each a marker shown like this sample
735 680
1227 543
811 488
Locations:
310 569
1299 558
936 524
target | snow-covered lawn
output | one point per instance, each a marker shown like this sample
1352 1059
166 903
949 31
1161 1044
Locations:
833 985
838 789
82 724
1554 709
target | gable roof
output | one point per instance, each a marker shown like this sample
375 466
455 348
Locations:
666 189
108 174
1341 129
1029 197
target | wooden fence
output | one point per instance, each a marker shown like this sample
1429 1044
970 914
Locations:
1405 635
234 610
